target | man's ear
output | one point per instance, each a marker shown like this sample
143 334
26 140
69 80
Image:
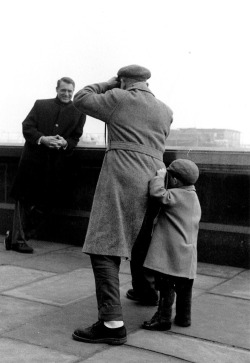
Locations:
175 181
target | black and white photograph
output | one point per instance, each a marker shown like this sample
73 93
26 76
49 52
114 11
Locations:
125 181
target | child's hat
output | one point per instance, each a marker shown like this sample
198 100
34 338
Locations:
186 169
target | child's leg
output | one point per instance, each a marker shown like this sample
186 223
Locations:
167 296
183 288
162 318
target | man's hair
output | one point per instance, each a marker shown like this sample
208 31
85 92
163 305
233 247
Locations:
66 80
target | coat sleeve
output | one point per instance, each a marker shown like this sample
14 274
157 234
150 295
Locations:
74 138
30 131
98 100
158 191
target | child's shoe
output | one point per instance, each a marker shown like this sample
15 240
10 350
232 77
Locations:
156 323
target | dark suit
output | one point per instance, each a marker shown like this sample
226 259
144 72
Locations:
40 170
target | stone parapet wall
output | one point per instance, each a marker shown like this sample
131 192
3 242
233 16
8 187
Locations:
223 189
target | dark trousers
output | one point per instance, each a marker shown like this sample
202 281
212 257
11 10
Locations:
106 273
143 281
169 286
26 221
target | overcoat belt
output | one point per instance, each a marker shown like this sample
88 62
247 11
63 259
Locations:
130 146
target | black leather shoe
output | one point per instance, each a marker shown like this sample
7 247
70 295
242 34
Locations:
131 294
99 333
142 299
21 247
156 323
7 241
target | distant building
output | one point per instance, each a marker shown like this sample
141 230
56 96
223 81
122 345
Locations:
204 138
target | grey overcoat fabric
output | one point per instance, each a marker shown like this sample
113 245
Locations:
138 125
173 248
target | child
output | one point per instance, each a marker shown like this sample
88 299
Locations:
173 249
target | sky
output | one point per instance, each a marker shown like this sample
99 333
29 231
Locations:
197 51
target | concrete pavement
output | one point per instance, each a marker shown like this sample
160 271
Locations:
45 296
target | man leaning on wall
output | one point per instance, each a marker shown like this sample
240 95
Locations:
51 130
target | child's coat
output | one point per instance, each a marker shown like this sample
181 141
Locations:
173 249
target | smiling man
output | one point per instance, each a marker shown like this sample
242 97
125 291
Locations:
51 130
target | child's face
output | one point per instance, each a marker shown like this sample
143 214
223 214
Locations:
171 181
174 182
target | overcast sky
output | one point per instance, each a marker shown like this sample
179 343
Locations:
197 51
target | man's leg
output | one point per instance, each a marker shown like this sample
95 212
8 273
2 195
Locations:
35 218
110 328
106 272
143 282
15 240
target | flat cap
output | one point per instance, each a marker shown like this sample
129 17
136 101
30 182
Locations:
186 169
134 71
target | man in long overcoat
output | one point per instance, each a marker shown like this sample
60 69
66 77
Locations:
138 125
51 130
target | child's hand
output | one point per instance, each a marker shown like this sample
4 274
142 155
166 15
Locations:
161 172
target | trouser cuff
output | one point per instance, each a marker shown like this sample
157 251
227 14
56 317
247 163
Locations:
110 312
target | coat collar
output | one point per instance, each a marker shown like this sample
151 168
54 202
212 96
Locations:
62 103
188 187
142 86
